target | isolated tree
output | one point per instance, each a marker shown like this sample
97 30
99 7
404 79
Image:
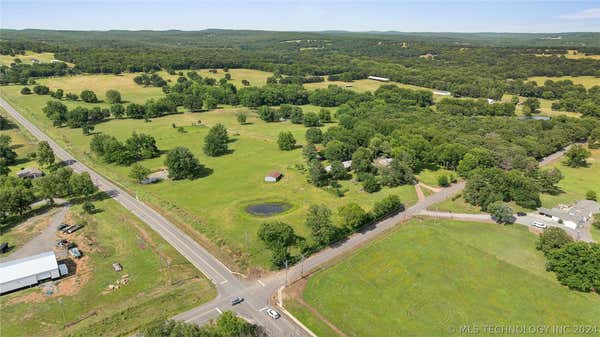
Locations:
139 172
577 156
576 265
215 143
314 135
501 212
552 238
241 117
113 96
88 96
286 141
296 115
25 91
44 154
245 83
228 77
182 164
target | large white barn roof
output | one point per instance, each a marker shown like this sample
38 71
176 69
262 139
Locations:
31 265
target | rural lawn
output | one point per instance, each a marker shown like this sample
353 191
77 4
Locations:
430 277
213 205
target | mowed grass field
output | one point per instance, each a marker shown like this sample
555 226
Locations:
576 182
213 206
545 108
586 81
431 277
161 282
256 78
29 55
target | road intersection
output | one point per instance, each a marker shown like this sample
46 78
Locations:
258 294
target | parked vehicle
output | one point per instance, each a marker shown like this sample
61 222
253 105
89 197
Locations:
64 230
3 247
236 300
62 226
74 229
521 214
274 314
75 252
61 243
539 224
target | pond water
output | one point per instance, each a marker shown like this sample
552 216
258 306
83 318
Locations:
269 208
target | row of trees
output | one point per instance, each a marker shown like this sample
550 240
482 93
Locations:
226 325
280 237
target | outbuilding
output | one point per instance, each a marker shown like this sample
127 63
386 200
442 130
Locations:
273 177
30 173
28 271
380 79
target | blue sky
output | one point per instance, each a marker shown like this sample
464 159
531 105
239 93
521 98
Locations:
362 15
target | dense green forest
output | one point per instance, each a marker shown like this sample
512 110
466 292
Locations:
474 65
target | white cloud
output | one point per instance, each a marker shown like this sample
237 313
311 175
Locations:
590 13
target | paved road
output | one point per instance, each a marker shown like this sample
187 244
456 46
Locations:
257 293
224 280
582 234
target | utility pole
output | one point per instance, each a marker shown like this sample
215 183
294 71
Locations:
62 308
302 266
286 272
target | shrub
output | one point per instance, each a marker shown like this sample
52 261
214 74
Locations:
443 181
590 195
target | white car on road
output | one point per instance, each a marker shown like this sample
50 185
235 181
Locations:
274 314
539 224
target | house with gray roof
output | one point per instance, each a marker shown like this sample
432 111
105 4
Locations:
574 216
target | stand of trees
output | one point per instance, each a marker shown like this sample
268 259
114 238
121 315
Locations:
227 325
137 147
576 264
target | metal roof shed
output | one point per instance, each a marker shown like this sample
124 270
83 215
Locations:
28 271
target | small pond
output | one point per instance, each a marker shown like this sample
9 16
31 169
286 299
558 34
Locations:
268 208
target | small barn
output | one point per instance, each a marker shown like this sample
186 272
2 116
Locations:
273 177
28 271
441 93
30 173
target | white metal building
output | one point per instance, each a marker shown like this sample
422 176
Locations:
380 79
28 271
